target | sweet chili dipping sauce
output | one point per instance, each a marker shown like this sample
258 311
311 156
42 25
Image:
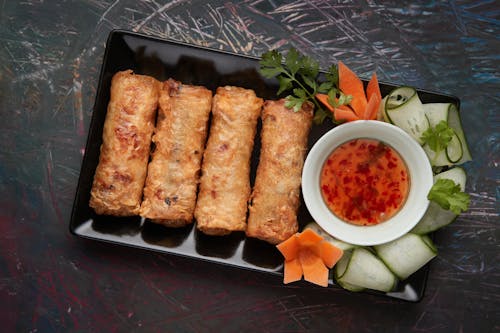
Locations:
364 181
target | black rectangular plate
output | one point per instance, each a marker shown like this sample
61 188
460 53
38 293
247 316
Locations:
163 59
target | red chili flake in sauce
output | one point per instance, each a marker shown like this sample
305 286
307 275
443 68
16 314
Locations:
370 181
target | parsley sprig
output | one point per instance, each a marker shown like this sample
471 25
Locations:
438 137
299 76
447 194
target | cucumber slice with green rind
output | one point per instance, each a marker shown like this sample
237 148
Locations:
404 109
436 217
350 287
455 122
407 254
457 151
363 269
340 269
454 150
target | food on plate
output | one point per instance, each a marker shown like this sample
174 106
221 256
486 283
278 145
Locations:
329 238
436 126
225 182
442 150
360 105
407 254
275 197
403 108
436 216
298 74
308 254
360 269
121 172
179 139
364 181
351 84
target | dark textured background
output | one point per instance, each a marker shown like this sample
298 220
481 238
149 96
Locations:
50 56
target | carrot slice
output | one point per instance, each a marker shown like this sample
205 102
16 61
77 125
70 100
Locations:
293 271
323 98
344 113
289 248
350 84
309 237
372 107
308 254
330 254
313 268
373 87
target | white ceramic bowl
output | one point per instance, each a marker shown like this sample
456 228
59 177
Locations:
421 180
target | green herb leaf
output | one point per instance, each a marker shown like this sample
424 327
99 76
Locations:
271 59
309 67
269 72
324 87
301 93
447 194
310 82
293 61
298 76
333 75
285 84
332 97
320 115
439 136
294 102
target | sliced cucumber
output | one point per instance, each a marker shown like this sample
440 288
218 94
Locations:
455 123
457 151
404 109
381 111
340 268
454 150
436 217
360 269
457 174
326 236
407 254
436 112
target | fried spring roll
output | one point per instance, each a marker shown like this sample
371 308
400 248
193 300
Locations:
276 193
120 174
225 182
180 135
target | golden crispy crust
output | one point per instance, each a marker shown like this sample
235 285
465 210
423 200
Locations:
225 182
276 194
173 173
120 174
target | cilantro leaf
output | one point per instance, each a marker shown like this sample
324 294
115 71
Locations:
310 82
333 75
319 116
285 84
447 194
270 72
438 137
293 61
324 87
271 59
298 75
309 67
294 102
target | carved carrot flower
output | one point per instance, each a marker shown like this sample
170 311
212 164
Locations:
308 254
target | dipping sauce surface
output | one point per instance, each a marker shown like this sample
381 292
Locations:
364 182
